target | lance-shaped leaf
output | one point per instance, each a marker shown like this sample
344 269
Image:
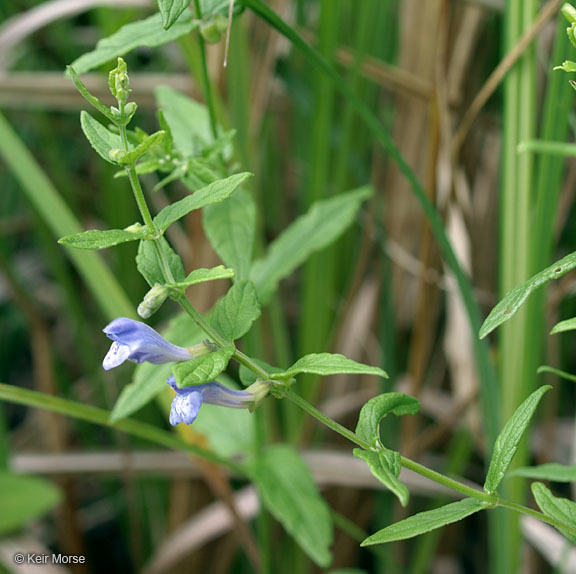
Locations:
426 521
329 364
230 227
101 139
149 32
201 275
212 193
96 239
122 157
93 100
234 314
150 266
171 10
561 509
324 223
290 494
188 120
550 471
508 440
516 296
563 326
23 499
557 372
377 408
385 466
202 369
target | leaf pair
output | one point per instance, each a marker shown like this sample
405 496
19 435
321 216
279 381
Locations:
504 450
384 464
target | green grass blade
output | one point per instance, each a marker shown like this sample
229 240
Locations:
46 200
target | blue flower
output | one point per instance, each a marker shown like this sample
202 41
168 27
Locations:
137 342
188 400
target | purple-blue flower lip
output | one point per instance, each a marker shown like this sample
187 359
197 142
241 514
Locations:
137 342
188 400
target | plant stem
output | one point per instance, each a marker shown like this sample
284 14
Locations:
450 483
336 427
535 514
144 210
101 417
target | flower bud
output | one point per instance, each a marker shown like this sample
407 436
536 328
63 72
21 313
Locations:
153 300
119 82
259 390
569 12
571 33
117 155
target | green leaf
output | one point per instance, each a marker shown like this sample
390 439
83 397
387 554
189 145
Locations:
563 326
290 494
328 364
550 471
230 227
148 379
202 369
96 239
567 66
24 498
171 10
557 372
189 121
202 275
509 439
148 32
385 466
559 508
131 157
101 139
377 408
210 7
198 173
88 96
325 222
516 296
426 521
229 434
149 265
234 314
212 193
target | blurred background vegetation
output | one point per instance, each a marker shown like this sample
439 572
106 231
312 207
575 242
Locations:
380 294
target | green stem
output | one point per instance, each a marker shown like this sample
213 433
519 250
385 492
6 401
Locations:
535 514
446 481
455 485
336 427
207 328
406 462
143 207
102 417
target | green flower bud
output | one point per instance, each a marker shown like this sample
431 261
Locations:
201 349
153 300
117 155
260 390
571 35
119 82
134 228
569 12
